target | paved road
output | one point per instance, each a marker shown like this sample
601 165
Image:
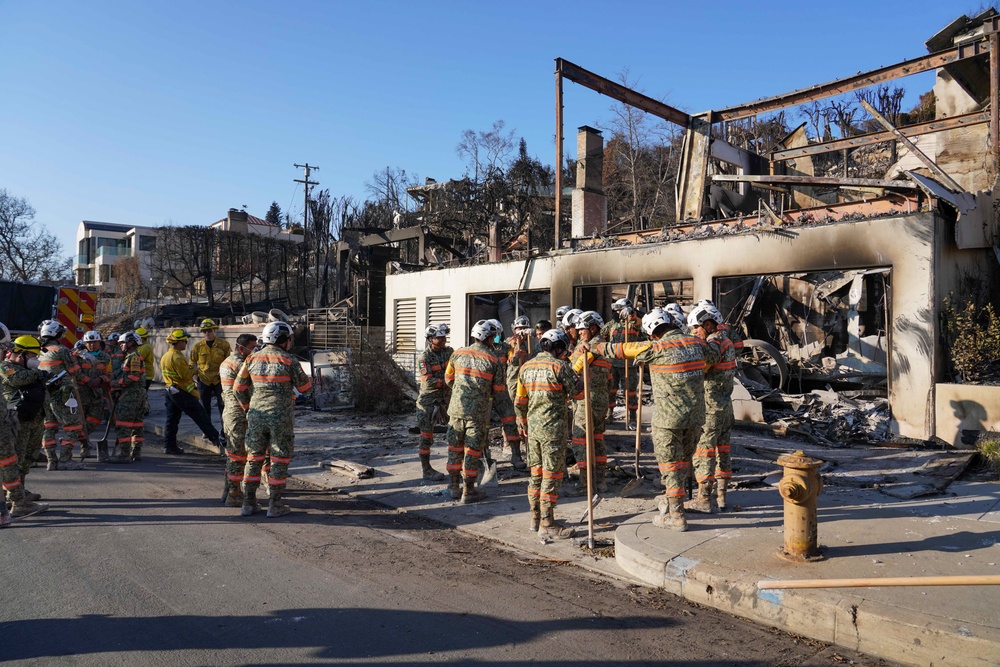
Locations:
139 565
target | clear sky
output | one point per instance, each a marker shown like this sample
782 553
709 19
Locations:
144 112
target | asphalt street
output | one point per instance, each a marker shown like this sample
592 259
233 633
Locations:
141 565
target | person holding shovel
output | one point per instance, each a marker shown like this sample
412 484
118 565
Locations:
544 386
432 402
588 327
234 419
520 347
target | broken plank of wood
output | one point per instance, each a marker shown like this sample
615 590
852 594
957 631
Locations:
356 470
815 180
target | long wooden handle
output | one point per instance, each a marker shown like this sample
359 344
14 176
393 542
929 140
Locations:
590 450
954 580
638 422
626 374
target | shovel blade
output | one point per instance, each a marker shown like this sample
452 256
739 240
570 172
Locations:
593 505
629 488
489 477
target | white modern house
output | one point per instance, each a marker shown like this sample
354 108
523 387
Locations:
102 245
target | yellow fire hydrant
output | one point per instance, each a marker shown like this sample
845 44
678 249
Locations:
799 487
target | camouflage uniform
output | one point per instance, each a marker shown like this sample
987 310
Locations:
117 359
713 447
234 423
264 388
131 406
504 409
475 375
13 378
434 393
676 364
616 333
600 378
57 415
95 376
545 385
10 476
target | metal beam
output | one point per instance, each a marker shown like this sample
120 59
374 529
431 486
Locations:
814 180
965 120
858 81
616 91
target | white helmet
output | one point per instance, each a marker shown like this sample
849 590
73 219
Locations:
561 312
621 303
702 313
4 334
676 311
274 331
437 330
113 337
554 337
51 329
706 302
569 319
497 326
483 330
92 337
130 337
521 322
655 318
626 312
589 319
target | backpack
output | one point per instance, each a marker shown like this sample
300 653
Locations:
29 401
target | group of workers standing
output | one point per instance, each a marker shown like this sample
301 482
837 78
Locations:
54 398
534 381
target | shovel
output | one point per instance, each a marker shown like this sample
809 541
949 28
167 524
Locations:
102 444
489 477
635 483
593 505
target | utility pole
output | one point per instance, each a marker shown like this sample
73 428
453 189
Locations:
306 183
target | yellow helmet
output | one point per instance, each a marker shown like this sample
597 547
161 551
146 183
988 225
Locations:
27 344
208 323
177 335
142 332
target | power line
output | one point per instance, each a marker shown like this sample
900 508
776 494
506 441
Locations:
306 183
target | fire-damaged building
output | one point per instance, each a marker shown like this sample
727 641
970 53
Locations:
838 280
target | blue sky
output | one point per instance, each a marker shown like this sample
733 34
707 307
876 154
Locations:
153 112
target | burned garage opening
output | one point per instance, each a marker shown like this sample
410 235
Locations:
505 306
645 295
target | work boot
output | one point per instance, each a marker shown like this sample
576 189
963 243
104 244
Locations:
720 494
28 495
553 529
275 507
66 461
455 487
671 514
119 455
235 497
27 508
5 519
536 515
516 461
600 481
173 450
430 474
250 505
703 500
85 450
471 494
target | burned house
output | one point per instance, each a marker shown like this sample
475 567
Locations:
838 278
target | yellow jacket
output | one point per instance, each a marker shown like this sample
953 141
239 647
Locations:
177 372
208 359
146 352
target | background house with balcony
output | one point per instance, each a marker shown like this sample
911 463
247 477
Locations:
102 245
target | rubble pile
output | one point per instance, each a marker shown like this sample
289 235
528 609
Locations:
830 419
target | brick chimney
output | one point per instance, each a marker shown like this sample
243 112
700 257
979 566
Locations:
237 220
590 205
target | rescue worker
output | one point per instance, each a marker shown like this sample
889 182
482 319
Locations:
10 476
545 385
23 388
568 324
505 409
114 351
678 314
712 463
181 395
264 387
624 329
676 365
146 351
561 313
130 408
234 419
432 402
588 328
62 404
207 355
541 326
520 349
475 375
724 327
94 383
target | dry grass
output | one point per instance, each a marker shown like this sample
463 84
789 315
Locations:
381 386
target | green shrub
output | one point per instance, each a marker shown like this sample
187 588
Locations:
972 340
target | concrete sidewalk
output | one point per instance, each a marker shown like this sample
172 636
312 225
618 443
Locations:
719 561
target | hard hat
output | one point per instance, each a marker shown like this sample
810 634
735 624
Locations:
207 324
176 336
554 338
51 329
626 312
437 330
621 303
561 312
142 333
521 322
275 331
497 326
113 337
4 334
483 330
675 310
701 314
589 319
130 337
569 319
27 344
92 337
656 318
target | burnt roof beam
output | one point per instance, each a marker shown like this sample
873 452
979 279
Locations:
856 82
616 91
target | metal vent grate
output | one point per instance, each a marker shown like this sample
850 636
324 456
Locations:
405 325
